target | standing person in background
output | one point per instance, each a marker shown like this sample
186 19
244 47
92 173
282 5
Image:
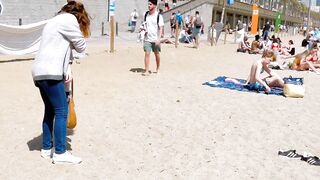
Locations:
239 25
51 70
133 18
154 23
166 5
174 3
240 32
161 5
173 24
197 26
187 21
265 31
179 18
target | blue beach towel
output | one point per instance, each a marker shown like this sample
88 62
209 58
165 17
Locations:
221 82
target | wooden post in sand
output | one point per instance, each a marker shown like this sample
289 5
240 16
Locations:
211 35
112 34
112 28
177 35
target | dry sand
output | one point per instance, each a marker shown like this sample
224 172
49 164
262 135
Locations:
166 126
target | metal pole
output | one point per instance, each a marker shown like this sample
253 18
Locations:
20 21
211 35
108 17
117 29
102 29
223 9
308 21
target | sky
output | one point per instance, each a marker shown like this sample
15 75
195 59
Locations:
306 2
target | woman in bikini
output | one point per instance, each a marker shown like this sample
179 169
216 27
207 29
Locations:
311 61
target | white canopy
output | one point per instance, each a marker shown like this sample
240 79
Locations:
20 40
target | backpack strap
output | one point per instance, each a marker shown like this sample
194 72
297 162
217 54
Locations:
145 16
158 17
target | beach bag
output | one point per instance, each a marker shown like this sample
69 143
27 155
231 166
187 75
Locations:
72 117
293 87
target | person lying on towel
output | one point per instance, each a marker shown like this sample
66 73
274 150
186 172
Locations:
260 81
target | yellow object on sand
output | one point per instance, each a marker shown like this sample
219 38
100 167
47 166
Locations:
293 90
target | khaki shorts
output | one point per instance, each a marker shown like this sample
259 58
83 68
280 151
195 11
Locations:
149 46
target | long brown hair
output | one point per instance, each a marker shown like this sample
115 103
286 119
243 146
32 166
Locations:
269 54
78 10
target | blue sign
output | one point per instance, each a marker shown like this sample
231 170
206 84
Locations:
112 7
231 2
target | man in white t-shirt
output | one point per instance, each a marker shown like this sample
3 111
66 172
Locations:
154 27
133 18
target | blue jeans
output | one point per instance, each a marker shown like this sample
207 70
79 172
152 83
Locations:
55 114
265 35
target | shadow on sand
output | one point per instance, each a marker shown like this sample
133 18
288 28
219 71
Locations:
137 70
35 144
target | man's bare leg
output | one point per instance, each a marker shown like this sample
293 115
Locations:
275 81
157 55
146 63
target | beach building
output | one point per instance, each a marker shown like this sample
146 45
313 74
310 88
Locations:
15 12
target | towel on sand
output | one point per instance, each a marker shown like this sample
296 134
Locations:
237 84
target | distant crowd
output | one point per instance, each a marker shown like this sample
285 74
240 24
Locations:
284 53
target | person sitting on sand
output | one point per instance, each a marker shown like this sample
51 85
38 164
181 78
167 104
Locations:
310 62
256 46
305 41
275 45
258 81
185 36
244 45
288 51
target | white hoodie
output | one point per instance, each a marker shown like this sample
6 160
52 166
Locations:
60 35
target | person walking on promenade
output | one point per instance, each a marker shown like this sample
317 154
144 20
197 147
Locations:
51 70
174 3
154 23
265 31
197 26
133 19
173 24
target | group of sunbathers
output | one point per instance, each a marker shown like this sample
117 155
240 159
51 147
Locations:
272 51
257 46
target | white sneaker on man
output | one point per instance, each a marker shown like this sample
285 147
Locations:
65 158
46 154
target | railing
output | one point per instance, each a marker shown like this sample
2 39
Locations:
183 8
238 7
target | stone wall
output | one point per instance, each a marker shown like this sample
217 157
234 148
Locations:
31 11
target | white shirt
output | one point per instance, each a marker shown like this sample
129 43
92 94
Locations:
59 35
132 16
182 34
152 27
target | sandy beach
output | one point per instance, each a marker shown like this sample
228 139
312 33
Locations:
163 126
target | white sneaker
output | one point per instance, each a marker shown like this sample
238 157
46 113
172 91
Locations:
65 158
46 154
